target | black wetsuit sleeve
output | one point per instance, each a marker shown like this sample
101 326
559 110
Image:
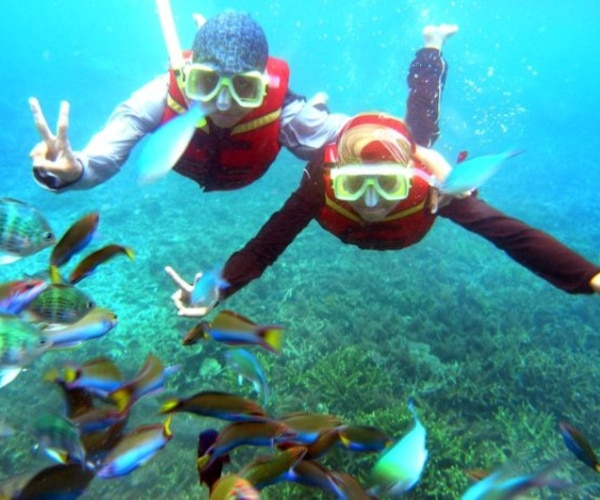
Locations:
532 248
277 233
426 79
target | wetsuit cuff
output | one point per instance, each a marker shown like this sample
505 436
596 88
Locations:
51 182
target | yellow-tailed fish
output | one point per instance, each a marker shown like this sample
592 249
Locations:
318 447
97 419
65 481
165 146
151 379
247 366
348 487
90 262
312 474
75 239
216 404
59 304
96 323
58 438
363 438
399 468
98 375
309 426
24 230
579 445
135 449
18 294
260 433
234 487
234 329
269 469
20 344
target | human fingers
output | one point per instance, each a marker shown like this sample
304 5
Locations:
178 280
184 309
39 151
40 123
193 312
62 127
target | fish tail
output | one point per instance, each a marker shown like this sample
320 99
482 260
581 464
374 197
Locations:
169 406
129 252
70 374
55 276
272 337
204 461
121 398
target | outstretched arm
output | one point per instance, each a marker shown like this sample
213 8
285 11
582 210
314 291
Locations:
263 250
533 249
277 233
57 168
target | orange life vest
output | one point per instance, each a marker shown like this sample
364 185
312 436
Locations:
225 159
406 225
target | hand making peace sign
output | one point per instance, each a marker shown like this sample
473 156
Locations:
53 156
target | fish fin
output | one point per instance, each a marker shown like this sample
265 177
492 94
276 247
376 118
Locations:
167 426
8 374
272 337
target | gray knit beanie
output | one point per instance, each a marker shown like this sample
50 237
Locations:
231 42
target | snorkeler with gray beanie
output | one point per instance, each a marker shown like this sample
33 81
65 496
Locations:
252 112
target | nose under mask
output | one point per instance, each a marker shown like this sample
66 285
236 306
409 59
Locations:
371 198
223 100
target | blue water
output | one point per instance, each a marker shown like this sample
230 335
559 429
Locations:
522 75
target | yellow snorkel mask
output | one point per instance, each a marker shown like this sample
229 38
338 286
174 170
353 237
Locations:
389 180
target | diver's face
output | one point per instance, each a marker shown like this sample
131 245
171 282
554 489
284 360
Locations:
372 207
227 112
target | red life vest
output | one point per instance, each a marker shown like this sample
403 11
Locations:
225 159
406 225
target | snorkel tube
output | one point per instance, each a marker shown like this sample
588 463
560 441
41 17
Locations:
167 25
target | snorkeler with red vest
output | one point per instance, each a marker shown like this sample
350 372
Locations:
251 114
378 186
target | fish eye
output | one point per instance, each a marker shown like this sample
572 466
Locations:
43 341
49 236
